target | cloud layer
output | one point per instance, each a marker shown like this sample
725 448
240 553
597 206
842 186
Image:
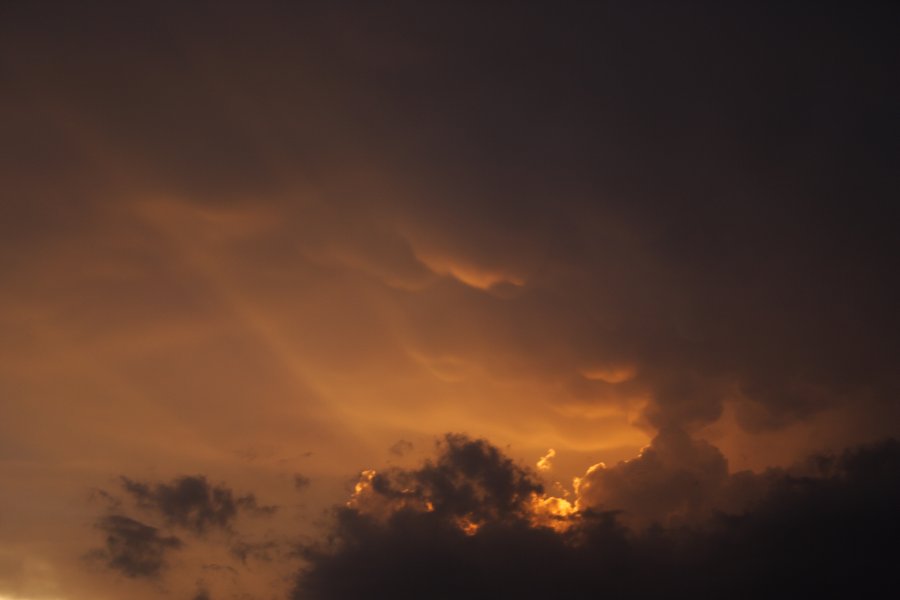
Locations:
265 241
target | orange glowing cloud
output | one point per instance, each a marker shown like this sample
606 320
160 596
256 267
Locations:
472 275
544 463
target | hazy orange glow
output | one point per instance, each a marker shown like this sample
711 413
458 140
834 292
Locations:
275 244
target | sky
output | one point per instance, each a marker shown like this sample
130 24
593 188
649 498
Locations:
447 299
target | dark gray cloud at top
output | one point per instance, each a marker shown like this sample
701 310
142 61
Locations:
701 191
828 527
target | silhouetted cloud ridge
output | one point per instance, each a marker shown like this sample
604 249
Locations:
827 526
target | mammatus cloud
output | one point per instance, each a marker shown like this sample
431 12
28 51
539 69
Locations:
132 548
827 525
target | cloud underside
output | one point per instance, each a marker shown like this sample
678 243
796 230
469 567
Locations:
827 525
609 239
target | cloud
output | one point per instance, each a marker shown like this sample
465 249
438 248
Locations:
238 553
264 551
193 503
133 548
401 448
545 463
831 529
470 481
675 477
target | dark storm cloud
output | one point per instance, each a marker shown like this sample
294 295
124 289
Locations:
301 482
470 479
687 211
674 473
678 187
674 480
832 529
133 548
193 503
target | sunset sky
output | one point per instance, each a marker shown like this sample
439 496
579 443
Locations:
272 270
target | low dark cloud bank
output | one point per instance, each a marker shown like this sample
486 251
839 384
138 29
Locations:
828 525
